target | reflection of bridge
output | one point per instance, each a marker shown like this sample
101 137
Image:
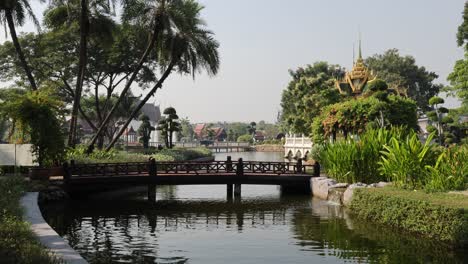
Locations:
297 147
108 176
216 146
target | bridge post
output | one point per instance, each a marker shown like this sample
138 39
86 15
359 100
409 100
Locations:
229 190
316 169
239 172
299 165
152 173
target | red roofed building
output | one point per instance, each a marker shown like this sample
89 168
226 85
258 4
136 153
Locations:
202 131
259 136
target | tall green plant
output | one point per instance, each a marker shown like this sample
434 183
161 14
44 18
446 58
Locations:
404 161
450 171
356 160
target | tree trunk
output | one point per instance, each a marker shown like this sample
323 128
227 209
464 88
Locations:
141 104
126 88
19 51
81 72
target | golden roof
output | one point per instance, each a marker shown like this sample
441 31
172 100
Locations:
357 77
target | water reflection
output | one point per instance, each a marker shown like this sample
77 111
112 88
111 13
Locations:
197 224
265 227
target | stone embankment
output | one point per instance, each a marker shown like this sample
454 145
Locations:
46 235
339 193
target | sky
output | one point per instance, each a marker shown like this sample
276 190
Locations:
260 40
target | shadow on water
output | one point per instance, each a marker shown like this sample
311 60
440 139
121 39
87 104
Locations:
181 228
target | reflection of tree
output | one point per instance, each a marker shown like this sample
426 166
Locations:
366 241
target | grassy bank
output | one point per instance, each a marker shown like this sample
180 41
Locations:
438 216
175 154
17 242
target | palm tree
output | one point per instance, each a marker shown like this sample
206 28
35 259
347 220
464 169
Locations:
187 48
13 12
96 7
156 16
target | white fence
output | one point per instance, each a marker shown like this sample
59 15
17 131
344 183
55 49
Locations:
16 155
294 141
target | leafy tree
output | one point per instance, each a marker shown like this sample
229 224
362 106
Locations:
405 77
310 89
356 115
459 77
186 47
13 12
186 131
162 19
29 114
93 108
252 128
52 55
145 130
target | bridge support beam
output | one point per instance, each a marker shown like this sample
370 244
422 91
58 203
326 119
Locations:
152 171
229 192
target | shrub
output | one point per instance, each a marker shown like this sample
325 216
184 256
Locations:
99 156
404 161
439 216
245 138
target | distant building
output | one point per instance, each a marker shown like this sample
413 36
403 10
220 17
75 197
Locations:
259 136
130 135
202 132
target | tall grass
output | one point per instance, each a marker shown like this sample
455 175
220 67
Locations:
356 160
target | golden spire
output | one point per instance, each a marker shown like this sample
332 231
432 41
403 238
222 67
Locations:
360 50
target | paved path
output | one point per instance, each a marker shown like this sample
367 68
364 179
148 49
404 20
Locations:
46 235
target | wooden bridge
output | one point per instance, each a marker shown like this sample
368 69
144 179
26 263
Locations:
82 178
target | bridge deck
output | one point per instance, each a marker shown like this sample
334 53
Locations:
105 176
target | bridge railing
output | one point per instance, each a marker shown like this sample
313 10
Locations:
153 168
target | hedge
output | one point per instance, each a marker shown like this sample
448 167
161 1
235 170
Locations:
439 216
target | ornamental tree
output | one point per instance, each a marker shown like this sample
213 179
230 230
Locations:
145 130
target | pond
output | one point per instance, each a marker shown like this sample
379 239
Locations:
197 224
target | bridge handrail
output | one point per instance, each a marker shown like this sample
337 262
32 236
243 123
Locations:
168 167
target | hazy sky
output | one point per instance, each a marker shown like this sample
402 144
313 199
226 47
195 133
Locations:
261 39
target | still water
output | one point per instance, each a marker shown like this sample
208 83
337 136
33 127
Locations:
196 224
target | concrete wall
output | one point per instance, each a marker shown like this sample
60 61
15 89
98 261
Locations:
19 152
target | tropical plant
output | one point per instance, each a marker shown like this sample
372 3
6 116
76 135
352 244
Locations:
450 171
185 46
356 160
404 161
13 12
